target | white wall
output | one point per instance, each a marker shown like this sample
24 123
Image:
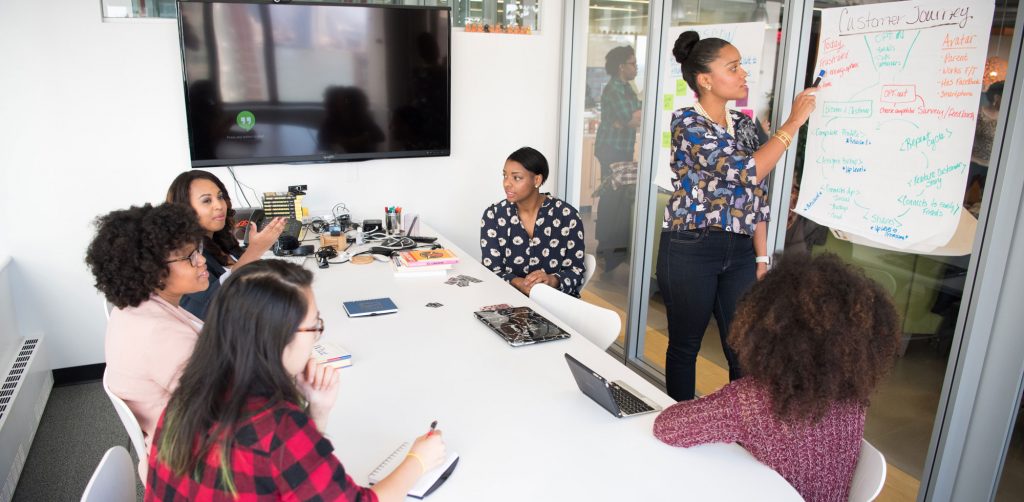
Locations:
93 120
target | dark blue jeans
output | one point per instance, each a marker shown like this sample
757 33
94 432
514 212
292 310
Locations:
700 273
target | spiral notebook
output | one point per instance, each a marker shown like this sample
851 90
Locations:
427 483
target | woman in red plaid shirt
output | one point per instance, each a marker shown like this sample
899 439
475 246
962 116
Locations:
245 422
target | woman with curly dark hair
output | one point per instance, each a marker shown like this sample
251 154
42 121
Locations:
815 338
207 196
144 260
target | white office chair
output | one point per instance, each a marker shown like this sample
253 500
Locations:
113 480
107 307
597 324
590 263
869 477
131 424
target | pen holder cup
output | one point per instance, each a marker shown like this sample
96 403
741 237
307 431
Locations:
393 223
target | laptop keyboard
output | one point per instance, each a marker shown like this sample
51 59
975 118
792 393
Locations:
628 403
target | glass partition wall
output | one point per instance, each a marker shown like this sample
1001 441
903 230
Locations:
613 64
618 177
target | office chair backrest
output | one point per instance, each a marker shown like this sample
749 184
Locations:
131 424
113 480
597 324
107 307
590 262
869 477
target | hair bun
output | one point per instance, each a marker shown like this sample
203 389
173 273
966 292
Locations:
684 45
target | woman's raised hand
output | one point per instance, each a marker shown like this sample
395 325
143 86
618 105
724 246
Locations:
803 106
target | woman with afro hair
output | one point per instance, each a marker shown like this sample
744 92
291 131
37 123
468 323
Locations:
815 337
144 260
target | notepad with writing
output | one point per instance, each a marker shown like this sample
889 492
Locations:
332 354
376 306
427 483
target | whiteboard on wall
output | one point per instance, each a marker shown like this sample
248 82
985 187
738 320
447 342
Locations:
748 38
889 143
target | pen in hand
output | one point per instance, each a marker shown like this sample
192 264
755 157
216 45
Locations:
433 425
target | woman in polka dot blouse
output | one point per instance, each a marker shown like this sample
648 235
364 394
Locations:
531 237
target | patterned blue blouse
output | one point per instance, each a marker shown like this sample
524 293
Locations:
713 175
556 247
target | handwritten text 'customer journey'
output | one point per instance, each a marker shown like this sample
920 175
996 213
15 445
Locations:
889 143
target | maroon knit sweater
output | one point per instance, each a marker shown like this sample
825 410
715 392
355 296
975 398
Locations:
818 460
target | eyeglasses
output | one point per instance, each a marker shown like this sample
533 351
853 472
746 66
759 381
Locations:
318 329
192 257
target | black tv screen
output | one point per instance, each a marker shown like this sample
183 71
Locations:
311 82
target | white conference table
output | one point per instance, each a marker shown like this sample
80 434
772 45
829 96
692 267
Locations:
521 426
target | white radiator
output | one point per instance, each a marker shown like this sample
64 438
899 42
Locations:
25 383
23 394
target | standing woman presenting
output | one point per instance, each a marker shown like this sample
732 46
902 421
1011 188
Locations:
716 237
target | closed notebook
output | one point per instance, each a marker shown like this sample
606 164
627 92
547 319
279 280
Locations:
427 483
332 354
376 306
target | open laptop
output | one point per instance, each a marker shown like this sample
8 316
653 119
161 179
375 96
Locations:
618 398
521 326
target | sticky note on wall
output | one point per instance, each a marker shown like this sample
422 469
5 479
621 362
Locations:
670 102
666 139
681 87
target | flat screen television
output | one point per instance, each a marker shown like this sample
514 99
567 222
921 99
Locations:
300 82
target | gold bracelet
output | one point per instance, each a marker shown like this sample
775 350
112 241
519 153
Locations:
784 134
423 467
785 143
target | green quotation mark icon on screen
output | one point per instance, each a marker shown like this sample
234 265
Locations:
246 120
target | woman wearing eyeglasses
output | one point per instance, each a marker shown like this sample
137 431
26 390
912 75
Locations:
144 260
246 422
207 196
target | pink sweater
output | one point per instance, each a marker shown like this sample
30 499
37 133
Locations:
818 460
146 349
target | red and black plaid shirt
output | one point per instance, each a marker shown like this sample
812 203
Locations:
278 454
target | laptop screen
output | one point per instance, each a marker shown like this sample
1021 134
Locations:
593 385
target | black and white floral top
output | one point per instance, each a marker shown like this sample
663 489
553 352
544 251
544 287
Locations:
556 247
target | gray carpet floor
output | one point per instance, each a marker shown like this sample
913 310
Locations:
78 426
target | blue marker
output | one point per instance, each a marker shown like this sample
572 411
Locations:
821 73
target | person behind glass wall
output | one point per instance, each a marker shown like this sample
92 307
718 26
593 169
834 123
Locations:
984 135
247 421
531 237
209 199
615 142
812 355
144 260
716 242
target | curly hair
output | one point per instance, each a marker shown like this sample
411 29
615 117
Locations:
129 254
815 331
180 191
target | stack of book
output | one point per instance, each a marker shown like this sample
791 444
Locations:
417 262
283 204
